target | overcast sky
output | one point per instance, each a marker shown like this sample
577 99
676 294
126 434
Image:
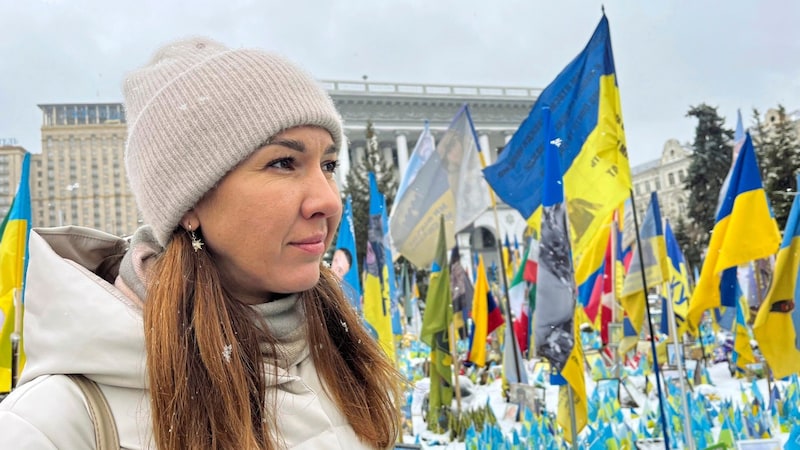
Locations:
669 55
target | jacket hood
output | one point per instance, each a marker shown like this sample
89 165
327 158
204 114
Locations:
75 320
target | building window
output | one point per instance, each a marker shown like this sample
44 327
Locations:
658 184
681 175
646 187
671 177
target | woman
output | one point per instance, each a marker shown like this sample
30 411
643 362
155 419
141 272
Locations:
217 327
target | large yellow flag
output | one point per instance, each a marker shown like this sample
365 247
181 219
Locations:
776 324
13 260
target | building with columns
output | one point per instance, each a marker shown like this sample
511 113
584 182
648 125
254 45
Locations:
399 112
79 176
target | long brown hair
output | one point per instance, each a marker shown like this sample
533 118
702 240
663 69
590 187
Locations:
200 399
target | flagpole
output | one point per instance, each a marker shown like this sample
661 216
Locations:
456 364
650 323
757 276
614 301
15 337
572 420
687 423
498 244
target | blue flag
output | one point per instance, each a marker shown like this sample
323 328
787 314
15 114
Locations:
345 263
587 115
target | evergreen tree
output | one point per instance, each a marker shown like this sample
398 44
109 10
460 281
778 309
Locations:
689 242
358 187
710 164
779 157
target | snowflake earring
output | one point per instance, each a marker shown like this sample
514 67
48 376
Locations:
197 243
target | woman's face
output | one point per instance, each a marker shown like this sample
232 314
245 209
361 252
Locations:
269 221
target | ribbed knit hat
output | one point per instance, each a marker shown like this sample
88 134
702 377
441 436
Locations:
198 109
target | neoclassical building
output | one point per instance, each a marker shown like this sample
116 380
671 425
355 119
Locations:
399 112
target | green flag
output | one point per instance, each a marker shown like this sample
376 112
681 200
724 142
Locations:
435 323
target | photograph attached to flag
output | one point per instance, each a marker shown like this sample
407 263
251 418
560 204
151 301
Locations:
448 182
587 115
344 262
744 230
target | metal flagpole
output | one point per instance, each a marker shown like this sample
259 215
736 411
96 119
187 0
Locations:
656 369
673 329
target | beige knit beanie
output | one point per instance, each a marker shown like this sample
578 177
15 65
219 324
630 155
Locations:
198 109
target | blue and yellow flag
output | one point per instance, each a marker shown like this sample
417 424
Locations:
344 257
442 181
678 287
377 304
13 263
435 323
777 320
744 230
587 115
742 350
656 268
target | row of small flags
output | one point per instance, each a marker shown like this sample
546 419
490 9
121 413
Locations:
751 418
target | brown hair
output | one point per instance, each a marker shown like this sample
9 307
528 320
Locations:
198 397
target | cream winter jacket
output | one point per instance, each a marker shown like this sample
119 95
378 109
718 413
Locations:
77 322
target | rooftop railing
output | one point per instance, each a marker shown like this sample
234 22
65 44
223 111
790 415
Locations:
439 90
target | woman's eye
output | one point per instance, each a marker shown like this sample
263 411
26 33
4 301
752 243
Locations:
282 163
331 166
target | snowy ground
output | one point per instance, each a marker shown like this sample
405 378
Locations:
723 386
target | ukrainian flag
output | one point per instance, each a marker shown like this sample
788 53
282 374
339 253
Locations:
587 115
776 324
678 279
13 262
377 304
653 263
745 230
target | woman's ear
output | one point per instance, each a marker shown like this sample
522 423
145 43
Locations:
190 221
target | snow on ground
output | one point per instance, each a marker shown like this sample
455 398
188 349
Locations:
723 386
